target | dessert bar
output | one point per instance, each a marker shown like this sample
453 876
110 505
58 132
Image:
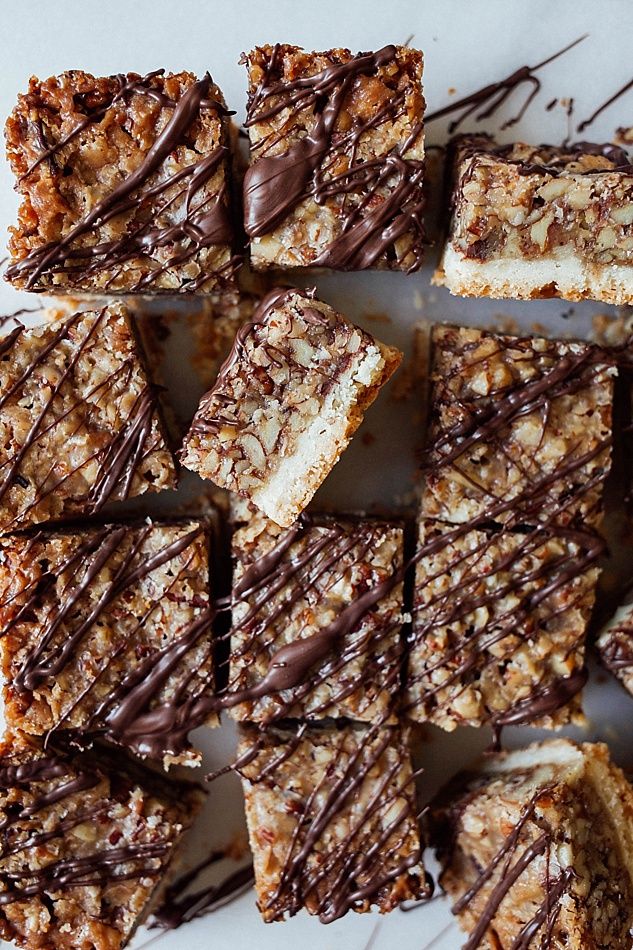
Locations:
286 403
87 844
105 632
536 849
124 185
337 158
79 424
539 221
615 644
519 429
291 585
332 820
499 625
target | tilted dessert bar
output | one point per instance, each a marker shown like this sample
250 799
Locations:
615 644
540 221
337 158
124 185
499 625
295 584
536 849
105 632
87 843
286 403
79 425
519 428
332 820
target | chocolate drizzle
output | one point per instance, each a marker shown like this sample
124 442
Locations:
368 787
84 795
494 95
205 221
298 574
532 838
605 105
161 682
118 459
387 189
178 906
487 422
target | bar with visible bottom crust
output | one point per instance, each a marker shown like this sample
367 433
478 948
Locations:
332 819
106 634
291 585
88 843
124 182
536 849
286 403
520 429
539 221
337 158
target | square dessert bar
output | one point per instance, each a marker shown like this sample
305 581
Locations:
519 429
79 424
106 633
337 158
332 820
297 586
540 221
499 625
615 644
536 849
124 185
87 844
286 403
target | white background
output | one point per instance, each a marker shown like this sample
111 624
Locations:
466 45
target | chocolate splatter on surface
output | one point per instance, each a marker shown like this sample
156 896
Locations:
491 97
180 905
604 106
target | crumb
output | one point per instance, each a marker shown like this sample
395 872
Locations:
611 331
624 135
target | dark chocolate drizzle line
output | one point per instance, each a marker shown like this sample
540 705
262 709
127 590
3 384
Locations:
509 873
494 95
275 185
204 224
486 420
178 906
48 780
471 652
359 854
129 445
312 557
617 653
605 105
121 714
